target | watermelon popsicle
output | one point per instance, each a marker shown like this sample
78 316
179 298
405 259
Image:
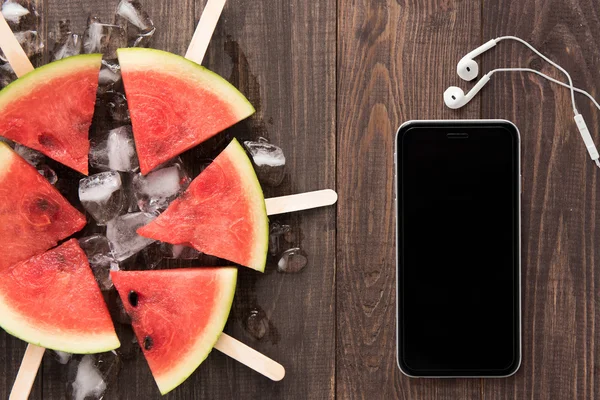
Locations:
177 315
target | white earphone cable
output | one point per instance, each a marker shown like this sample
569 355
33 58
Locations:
549 78
571 87
587 138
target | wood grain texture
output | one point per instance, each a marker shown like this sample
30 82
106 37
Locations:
395 59
332 81
11 348
560 197
282 57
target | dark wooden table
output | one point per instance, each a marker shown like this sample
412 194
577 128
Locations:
332 81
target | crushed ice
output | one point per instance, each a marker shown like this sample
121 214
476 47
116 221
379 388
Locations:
100 187
32 156
88 381
129 11
292 261
116 153
160 187
99 252
102 195
62 357
269 161
121 231
13 11
69 46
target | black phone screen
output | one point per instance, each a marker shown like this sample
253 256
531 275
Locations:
458 188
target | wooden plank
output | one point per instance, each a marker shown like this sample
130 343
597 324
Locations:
11 348
281 55
175 26
560 186
283 58
395 60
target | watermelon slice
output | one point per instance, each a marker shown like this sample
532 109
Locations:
175 104
52 300
50 109
177 315
222 213
34 214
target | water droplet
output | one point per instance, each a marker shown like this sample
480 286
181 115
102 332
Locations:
276 231
257 324
292 261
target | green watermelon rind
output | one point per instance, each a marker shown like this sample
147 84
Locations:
248 176
197 357
136 58
41 75
103 343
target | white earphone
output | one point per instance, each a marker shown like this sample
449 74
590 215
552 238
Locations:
468 69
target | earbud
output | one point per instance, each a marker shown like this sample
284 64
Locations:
467 68
455 97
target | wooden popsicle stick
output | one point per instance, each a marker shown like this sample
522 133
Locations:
250 357
27 372
301 201
12 50
204 30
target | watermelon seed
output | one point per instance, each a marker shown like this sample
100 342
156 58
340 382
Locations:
133 298
148 343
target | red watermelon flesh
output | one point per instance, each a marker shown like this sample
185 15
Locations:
34 215
53 300
222 213
177 315
175 104
50 109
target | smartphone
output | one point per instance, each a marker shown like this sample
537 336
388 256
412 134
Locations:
458 191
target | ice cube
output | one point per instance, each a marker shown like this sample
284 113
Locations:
110 73
140 27
13 11
117 152
159 188
116 105
94 36
292 261
132 12
102 195
130 199
101 258
69 45
276 231
90 375
21 15
182 252
7 75
103 38
31 42
154 254
33 157
269 161
88 380
48 173
121 231
62 357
